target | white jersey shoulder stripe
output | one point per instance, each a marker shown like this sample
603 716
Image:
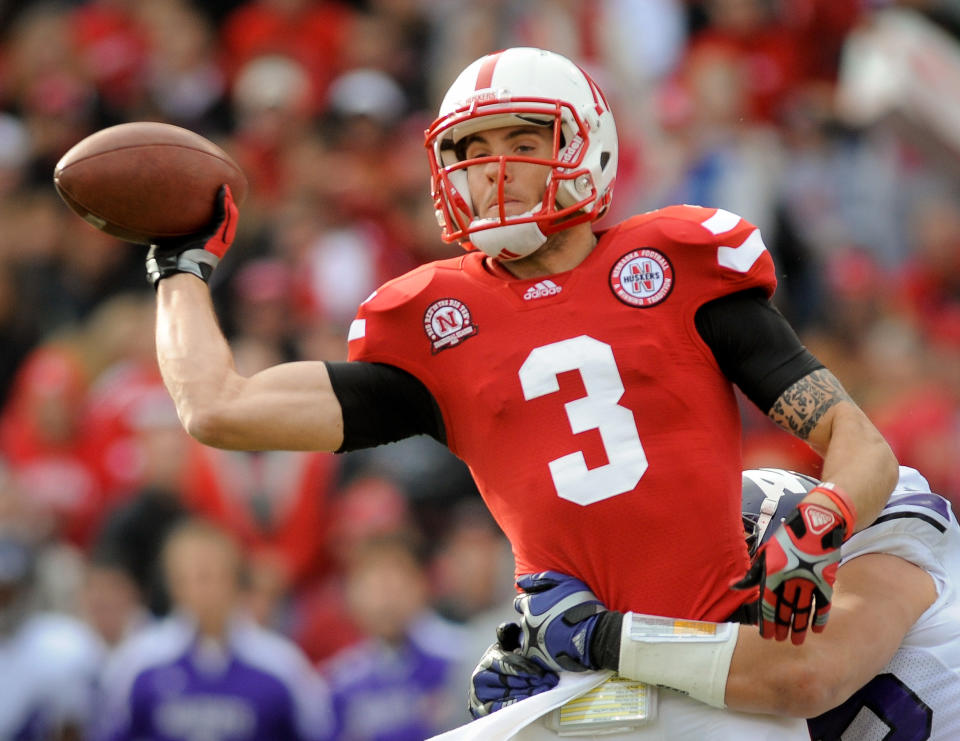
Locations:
722 221
358 330
743 257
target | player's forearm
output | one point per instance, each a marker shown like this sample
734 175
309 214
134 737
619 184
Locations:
726 665
859 461
780 678
878 598
193 355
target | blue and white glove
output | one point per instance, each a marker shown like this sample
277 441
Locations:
560 615
504 677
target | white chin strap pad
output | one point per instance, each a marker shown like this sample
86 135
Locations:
508 242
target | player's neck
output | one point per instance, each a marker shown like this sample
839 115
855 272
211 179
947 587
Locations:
561 252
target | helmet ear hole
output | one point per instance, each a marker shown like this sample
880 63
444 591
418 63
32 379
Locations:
604 159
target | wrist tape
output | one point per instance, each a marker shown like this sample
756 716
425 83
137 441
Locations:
690 656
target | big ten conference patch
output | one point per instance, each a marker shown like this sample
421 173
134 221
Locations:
447 323
642 278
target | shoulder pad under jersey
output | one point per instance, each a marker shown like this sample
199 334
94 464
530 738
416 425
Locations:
916 526
381 331
400 290
733 245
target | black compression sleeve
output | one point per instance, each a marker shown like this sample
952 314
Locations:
382 404
754 345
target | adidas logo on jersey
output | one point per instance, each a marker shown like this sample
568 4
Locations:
542 289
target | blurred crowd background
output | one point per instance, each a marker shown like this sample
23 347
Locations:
834 125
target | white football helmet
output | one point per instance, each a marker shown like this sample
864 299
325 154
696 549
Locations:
514 87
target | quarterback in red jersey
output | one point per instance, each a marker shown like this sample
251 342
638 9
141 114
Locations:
585 378
599 389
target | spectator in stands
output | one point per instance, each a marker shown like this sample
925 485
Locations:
395 684
41 438
49 662
316 34
369 507
275 504
208 671
472 583
184 81
111 602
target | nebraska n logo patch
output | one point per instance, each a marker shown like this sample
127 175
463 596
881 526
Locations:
447 323
642 278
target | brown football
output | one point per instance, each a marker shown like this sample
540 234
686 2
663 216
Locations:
145 181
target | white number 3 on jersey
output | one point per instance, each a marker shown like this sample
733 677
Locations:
598 410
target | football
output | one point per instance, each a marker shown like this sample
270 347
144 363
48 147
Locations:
146 181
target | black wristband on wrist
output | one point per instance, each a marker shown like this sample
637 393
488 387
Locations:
164 261
605 642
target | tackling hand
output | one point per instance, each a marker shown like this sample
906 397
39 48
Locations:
795 569
197 254
504 676
560 614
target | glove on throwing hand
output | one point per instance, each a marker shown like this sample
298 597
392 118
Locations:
197 254
560 614
795 569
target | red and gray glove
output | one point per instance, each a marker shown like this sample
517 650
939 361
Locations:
797 568
197 254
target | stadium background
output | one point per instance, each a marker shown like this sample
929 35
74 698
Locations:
831 124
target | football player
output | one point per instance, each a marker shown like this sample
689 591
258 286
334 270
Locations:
587 378
889 666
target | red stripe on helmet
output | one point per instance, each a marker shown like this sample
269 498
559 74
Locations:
599 99
485 75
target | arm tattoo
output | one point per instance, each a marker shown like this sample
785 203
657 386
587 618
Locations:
800 407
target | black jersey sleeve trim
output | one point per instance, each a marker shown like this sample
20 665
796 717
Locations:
381 404
754 345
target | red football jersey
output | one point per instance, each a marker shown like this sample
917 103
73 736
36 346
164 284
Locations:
595 420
